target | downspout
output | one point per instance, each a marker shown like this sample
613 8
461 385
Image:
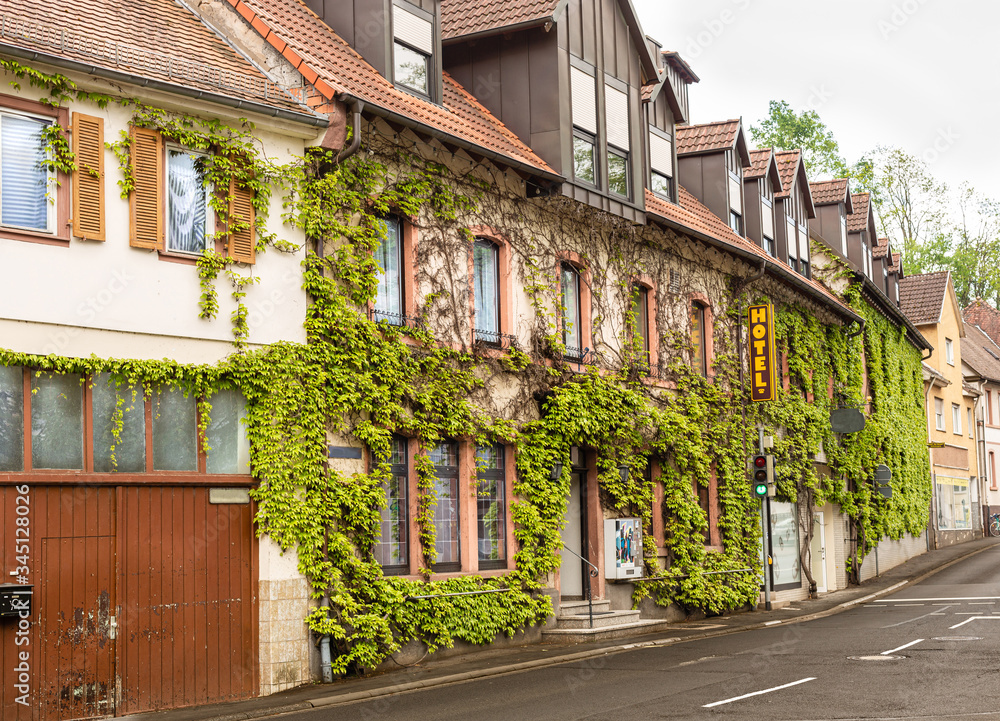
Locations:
932 522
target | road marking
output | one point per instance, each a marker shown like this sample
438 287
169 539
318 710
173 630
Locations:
906 605
975 618
870 596
907 645
772 623
966 613
911 620
982 603
958 598
943 604
760 693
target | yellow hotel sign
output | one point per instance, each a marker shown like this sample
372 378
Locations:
762 376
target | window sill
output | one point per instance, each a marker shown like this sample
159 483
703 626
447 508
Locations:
34 236
179 258
156 478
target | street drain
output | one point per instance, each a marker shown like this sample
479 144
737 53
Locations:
875 658
957 638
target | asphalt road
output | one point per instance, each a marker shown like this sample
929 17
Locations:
931 650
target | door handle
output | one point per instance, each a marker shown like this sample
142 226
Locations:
112 628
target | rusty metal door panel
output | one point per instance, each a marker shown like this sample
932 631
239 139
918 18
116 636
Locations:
76 605
188 591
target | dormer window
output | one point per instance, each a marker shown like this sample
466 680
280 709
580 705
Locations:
735 204
661 161
767 218
413 49
584 98
616 113
843 231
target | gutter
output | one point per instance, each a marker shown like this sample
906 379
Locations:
545 22
788 276
454 140
301 118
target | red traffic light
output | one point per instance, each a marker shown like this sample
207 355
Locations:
760 461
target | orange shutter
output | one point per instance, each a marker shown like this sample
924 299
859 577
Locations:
146 200
243 241
88 180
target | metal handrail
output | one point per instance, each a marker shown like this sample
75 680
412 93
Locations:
458 593
592 574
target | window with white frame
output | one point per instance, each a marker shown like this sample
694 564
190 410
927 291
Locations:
954 503
413 49
843 230
767 218
616 113
968 422
949 351
661 161
26 182
735 204
188 211
583 90
956 419
939 414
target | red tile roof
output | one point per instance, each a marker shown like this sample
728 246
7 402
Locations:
155 39
984 316
788 166
708 137
981 352
858 220
691 214
921 297
825 192
468 17
896 263
312 47
760 160
881 249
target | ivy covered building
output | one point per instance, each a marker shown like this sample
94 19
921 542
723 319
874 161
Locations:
475 305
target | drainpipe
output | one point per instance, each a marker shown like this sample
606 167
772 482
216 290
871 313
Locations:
356 107
932 524
325 660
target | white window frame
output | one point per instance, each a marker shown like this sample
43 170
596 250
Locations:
949 351
51 182
956 419
939 414
209 211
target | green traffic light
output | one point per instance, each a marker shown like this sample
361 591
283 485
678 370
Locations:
760 490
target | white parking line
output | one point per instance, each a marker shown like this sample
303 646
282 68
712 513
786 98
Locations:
759 693
982 603
911 620
959 598
907 605
905 645
975 618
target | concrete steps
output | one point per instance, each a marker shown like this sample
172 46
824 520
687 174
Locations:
573 623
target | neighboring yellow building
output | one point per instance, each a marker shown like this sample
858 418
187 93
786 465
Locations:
929 301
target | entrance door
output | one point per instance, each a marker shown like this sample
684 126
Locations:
571 567
818 552
77 614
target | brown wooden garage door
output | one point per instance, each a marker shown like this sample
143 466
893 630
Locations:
145 598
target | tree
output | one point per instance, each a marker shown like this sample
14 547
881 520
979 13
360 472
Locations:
784 129
976 240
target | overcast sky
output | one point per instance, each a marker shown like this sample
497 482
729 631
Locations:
920 74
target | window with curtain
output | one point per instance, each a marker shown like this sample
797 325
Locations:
444 456
571 332
392 548
24 181
187 201
491 513
486 280
699 356
389 256
640 313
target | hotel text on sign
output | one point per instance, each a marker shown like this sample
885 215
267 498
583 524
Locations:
762 385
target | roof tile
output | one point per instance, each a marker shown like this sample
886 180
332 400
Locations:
981 352
858 220
921 297
346 71
985 317
881 249
788 166
759 162
467 17
826 192
707 137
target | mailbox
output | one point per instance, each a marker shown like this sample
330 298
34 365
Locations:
15 600
623 548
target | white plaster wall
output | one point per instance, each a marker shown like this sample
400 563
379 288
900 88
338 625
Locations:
893 553
110 286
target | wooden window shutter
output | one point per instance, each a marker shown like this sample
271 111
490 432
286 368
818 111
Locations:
146 200
243 241
88 180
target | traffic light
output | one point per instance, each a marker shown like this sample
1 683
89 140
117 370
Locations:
762 474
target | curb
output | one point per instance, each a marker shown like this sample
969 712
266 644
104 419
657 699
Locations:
353 697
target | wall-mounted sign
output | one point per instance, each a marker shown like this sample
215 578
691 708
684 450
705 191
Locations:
762 376
847 420
935 444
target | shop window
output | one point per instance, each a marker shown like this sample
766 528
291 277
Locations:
11 418
491 515
444 456
954 506
229 447
392 549
127 453
175 430
785 570
56 422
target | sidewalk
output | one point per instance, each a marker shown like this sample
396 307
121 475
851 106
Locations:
493 662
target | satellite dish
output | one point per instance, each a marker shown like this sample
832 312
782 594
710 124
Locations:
847 420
